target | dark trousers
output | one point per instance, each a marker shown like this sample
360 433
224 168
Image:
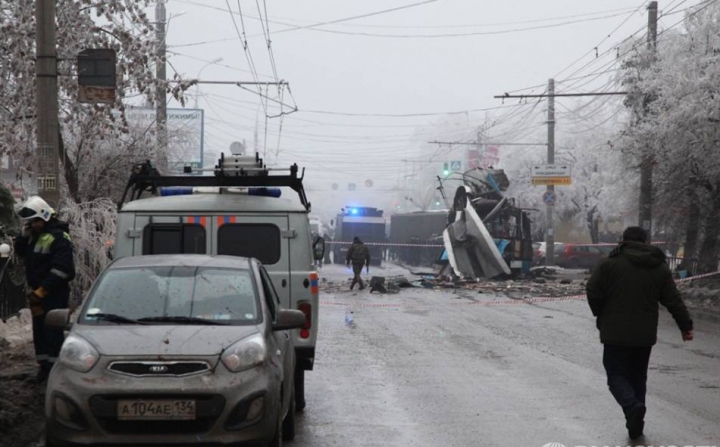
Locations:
48 340
357 271
627 369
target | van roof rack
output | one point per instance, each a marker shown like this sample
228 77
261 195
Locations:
232 171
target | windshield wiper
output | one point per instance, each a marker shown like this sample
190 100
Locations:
119 319
181 320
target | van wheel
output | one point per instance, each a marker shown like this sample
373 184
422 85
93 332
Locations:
299 389
288 425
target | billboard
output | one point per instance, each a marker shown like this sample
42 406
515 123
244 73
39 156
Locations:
185 128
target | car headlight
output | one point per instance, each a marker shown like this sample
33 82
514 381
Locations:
78 354
247 353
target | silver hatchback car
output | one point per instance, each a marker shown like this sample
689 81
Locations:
175 349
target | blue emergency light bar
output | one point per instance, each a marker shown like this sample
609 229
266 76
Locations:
357 211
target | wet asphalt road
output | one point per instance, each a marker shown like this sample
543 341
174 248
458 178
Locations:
440 371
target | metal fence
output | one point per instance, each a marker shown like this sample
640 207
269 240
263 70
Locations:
12 289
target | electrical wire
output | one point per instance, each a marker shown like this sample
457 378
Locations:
266 31
450 35
635 11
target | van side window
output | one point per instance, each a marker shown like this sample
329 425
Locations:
261 241
169 239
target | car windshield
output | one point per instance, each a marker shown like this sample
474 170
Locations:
173 295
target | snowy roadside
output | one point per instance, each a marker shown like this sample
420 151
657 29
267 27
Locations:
16 331
22 413
703 298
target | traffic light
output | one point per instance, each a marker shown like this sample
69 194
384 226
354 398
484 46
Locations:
446 169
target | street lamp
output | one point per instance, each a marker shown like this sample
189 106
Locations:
197 86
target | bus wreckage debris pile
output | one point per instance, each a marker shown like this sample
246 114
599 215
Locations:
541 282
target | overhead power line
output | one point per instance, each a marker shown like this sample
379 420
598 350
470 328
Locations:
408 115
449 35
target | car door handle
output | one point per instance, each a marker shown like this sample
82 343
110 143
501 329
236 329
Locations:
284 283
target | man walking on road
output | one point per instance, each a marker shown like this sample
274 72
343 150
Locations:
47 251
359 255
623 293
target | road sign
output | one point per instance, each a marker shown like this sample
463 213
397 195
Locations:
557 181
369 183
96 76
549 198
335 186
351 186
456 166
551 171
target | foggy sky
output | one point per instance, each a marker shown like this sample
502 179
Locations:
361 74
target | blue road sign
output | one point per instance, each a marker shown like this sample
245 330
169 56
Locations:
549 198
456 166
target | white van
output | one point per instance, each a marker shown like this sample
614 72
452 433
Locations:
219 215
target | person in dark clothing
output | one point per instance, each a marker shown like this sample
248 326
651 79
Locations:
624 292
47 252
359 255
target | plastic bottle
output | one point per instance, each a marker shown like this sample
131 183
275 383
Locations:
349 318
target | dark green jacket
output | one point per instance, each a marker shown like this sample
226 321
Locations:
624 292
358 254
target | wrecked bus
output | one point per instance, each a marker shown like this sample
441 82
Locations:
487 234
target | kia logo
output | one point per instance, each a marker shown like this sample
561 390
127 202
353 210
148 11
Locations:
158 369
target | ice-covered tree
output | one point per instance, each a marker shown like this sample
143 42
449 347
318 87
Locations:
96 141
677 107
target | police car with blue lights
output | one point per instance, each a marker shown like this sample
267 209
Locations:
238 211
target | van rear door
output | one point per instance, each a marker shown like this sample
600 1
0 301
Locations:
265 238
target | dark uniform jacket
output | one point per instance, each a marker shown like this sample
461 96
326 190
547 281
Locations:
624 292
49 262
358 254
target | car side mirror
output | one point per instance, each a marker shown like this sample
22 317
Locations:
319 248
58 318
289 319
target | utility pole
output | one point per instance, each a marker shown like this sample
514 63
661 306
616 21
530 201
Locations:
46 103
646 164
160 93
550 224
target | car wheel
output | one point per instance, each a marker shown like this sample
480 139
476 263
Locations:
288 425
277 439
573 263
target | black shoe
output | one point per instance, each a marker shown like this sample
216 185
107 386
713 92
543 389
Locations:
636 421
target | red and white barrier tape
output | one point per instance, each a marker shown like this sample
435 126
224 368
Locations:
388 244
393 244
692 278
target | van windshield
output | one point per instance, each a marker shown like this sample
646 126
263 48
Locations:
179 293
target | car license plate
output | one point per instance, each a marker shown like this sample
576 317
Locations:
157 410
